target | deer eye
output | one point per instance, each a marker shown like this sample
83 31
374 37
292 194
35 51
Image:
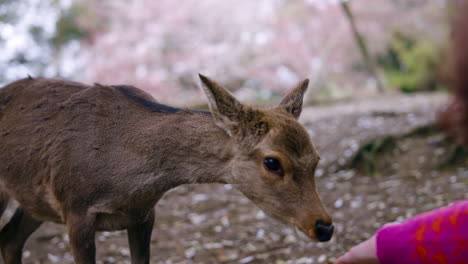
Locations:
273 165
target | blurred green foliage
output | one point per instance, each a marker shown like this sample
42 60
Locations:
366 158
67 26
411 64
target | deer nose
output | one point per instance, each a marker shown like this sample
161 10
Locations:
323 231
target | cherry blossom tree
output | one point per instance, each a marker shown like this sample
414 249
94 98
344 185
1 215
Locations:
257 48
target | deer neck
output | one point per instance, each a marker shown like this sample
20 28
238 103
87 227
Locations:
186 148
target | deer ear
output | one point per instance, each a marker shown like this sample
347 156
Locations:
292 102
226 110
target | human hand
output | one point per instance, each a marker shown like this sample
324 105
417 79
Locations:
364 253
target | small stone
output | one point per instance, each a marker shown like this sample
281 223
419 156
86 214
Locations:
225 221
319 172
453 179
124 252
289 239
260 215
246 259
213 245
200 198
190 252
338 203
251 247
305 261
218 228
53 258
110 260
260 234
197 219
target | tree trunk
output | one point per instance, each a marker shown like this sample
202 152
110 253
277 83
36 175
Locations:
362 45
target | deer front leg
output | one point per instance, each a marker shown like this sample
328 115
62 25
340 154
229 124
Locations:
139 239
14 235
82 230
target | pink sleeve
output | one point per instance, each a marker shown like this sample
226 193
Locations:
439 236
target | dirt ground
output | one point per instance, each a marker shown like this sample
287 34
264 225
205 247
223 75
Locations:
216 224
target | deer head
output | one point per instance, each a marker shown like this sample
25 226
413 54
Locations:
274 160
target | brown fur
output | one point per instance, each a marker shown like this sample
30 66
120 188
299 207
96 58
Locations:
100 157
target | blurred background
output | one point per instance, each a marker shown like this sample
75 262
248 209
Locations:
257 48
378 82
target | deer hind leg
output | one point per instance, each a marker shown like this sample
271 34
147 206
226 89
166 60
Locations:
15 233
139 239
3 202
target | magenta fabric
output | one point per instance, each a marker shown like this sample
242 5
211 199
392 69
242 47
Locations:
436 237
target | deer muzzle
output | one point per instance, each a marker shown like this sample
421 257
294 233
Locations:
323 231
319 230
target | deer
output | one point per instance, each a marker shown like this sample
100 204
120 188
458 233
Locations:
99 157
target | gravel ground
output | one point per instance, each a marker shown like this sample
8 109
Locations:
216 224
